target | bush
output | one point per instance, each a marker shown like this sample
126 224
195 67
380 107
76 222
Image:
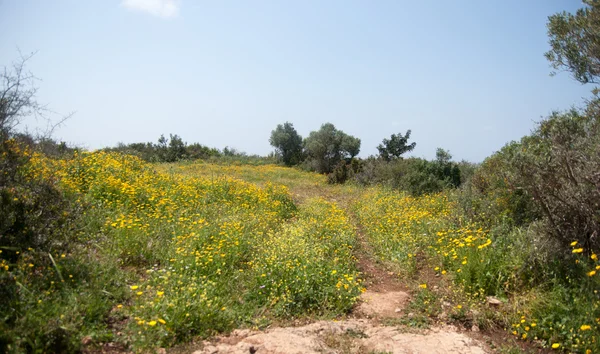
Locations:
414 175
344 171
551 174
33 212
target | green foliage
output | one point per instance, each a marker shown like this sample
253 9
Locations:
396 146
492 195
176 150
414 175
197 151
575 42
344 171
288 143
45 283
553 174
167 150
432 176
328 146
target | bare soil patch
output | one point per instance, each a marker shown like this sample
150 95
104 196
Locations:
351 336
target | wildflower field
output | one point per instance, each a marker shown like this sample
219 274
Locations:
428 239
144 256
158 258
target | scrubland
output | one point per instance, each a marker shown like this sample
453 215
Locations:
143 256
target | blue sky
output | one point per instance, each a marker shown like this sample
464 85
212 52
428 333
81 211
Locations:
467 76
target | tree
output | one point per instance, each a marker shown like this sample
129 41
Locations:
575 42
17 95
327 146
288 143
18 99
394 147
177 149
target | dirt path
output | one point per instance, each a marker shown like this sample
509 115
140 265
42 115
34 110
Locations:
365 330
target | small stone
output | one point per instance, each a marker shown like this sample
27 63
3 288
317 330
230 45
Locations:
242 333
475 328
493 301
210 349
411 315
86 340
398 310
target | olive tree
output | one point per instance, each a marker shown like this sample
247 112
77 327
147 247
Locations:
575 42
288 143
328 146
395 146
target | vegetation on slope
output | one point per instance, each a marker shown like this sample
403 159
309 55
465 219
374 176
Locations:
163 257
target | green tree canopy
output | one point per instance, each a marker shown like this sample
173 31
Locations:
575 42
288 143
395 146
327 146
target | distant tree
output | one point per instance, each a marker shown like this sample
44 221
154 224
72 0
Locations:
328 146
199 151
233 152
394 147
288 143
177 149
162 148
575 42
445 169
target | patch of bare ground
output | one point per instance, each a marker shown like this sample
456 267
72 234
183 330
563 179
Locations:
350 336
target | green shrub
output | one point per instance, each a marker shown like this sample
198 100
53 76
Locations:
551 174
414 175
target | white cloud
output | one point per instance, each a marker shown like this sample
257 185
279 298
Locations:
160 8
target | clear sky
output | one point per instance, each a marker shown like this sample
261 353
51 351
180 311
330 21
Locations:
467 76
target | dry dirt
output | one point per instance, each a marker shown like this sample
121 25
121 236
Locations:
350 336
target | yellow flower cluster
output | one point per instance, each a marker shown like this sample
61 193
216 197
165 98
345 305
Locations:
401 227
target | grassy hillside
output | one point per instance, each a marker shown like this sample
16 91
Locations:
156 258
